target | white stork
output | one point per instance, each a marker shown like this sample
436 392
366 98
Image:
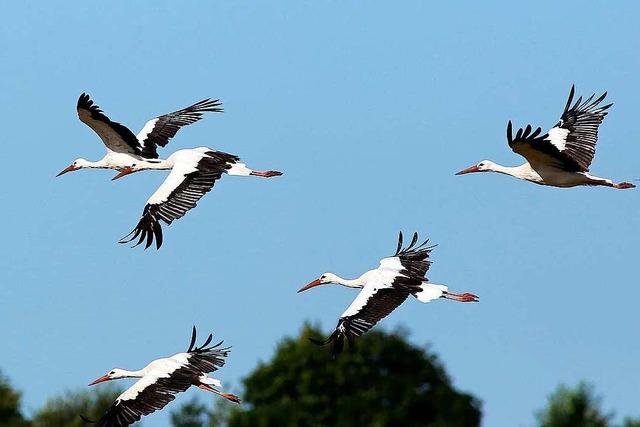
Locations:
384 289
161 379
562 156
193 174
125 148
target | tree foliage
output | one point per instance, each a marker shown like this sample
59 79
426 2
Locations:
195 414
191 414
10 413
577 407
382 381
65 410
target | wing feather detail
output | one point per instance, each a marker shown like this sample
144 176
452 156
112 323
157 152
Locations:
378 305
178 194
571 143
115 136
151 394
157 132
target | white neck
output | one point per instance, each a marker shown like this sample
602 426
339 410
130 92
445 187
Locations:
100 164
161 164
133 374
349 283
523 171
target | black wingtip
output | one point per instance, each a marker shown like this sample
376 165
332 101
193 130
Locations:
414 240
319 342
571 95
84 101
193 348
145 231
337 338
413 246
193 339
87 420
399 243
509 132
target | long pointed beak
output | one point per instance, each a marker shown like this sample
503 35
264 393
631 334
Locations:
310 285
69 169
468 170
100 380
125 171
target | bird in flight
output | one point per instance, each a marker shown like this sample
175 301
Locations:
161 379
384 289
193 174
123 147
562 156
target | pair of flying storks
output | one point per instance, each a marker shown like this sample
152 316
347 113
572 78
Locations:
559 158
383 289
193 171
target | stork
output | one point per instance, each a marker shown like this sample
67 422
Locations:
161 379
193 174
384 289
562 156
123 147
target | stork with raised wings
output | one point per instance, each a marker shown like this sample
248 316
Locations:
562 156
384 289
193 174
161 379
123 147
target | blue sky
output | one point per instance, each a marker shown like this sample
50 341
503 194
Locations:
369 110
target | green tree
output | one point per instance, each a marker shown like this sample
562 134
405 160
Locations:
195 414
65 410
383 381
10 414
190 414
577 407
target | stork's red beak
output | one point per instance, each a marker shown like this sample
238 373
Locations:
310 285
123 172
468 170
100 380
69 169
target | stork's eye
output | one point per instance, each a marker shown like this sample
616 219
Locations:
112 373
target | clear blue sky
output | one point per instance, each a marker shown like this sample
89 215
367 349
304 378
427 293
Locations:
369 110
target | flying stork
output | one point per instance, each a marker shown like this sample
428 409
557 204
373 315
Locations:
123 147
193 174
562 156
161 379
384 289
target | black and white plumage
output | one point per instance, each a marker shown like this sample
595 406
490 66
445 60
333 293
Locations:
562 156
193 174
384 289
123 146
161 379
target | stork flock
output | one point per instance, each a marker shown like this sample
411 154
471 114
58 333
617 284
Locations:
561 158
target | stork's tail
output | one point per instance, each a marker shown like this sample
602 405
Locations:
242 170
210 381
431 291
206 383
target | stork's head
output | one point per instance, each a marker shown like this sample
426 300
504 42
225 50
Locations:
483 166
113 374
324 279
76 165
